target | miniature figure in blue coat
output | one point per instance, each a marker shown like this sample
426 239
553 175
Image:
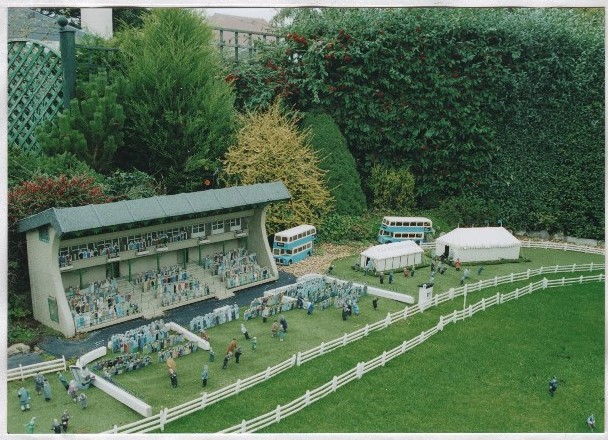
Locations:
24 398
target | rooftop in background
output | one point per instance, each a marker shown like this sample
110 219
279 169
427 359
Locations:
25 23
90 217
240 23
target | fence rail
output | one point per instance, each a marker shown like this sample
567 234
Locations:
303 401
167 415
24 371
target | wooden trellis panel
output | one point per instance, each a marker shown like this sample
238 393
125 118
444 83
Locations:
34 90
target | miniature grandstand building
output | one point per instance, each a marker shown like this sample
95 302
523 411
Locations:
97 265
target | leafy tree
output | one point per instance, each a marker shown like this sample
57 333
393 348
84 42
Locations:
24 166
337 161
392 188
91 128
269 147
179 108
131 185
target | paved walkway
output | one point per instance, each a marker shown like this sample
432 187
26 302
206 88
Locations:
72 348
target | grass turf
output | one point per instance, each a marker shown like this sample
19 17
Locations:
152 383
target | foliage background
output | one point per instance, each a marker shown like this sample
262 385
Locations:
475 102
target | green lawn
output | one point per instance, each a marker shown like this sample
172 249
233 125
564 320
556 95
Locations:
152 384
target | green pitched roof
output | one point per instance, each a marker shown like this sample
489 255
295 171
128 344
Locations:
82 218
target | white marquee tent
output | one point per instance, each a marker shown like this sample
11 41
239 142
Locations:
391 256
479 244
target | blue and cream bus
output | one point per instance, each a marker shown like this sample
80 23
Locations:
395 229
293 245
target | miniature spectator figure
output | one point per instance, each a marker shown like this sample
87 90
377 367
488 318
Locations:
211 356
275 328
56 427
83 400
254 343
375 303
300 302
65 418
344 313
413 271
381 275
63 380
311 307
46 389
231 346
442 268
205 375
356 309
173 377
39 383
281 333
457 264
480 270
390 277
265 313
590 422
552 386
24 398
31 425
226 360
283 322
432 266
466 273
237 354
406 272
73 390
245 332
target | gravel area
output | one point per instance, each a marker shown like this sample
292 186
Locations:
322 258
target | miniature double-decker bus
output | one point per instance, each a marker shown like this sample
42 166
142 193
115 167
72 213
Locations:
394 229
294 244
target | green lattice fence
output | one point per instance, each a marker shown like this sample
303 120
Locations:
34 90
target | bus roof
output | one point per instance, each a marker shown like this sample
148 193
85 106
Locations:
295 230
406 219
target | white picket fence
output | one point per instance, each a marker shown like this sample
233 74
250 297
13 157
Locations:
265 420
167 415
24 371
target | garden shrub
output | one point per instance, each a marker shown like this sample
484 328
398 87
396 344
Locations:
392 188
336 160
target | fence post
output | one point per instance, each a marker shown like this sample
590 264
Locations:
591 267
581 280
322 348
21 372
203 401
299 359
470 311
404 347
238 386
115 429
383 358
511 280
495 280
501 298
440 325
293 360
162 417
405 313
244 426
307 397
497 298
540 271
387 320
65 365
334 383
479 286
528 274
483 303
360 369
366 329
452 293
267 376
545 283
563 281
344 339
277 414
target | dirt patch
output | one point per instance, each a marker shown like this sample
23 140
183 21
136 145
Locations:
322 257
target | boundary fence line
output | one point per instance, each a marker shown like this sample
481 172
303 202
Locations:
24 371
311 396
167 415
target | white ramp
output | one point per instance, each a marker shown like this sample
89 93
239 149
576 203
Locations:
189 336
122 396
401 297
